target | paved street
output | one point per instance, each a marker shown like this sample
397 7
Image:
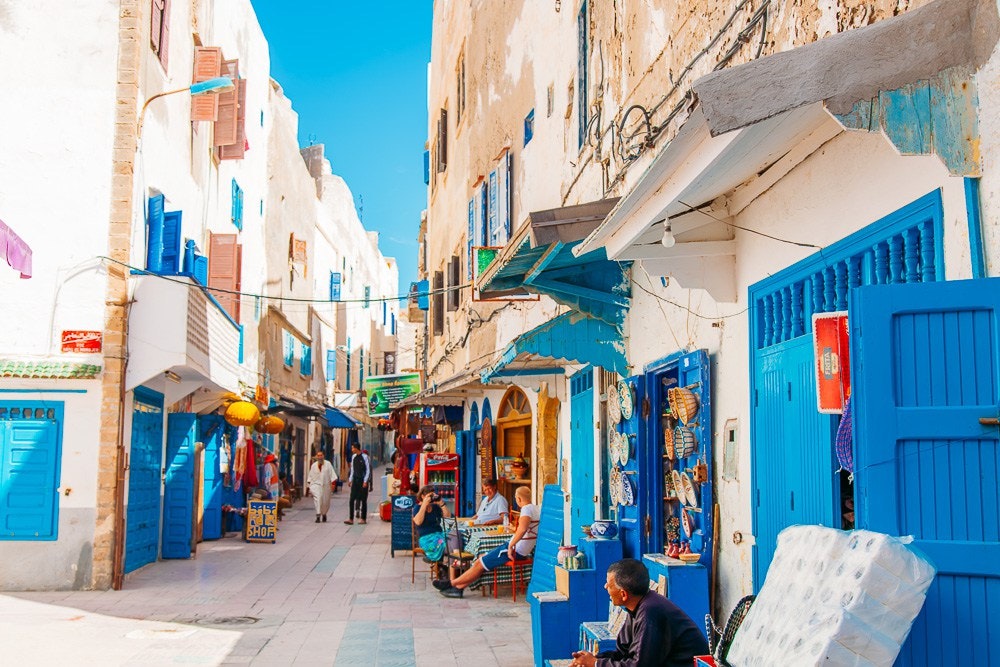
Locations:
325 594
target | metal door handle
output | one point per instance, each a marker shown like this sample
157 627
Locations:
989 421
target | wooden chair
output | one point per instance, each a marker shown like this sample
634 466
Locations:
417 552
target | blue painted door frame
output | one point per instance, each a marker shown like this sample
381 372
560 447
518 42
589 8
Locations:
582 487
926 370
465 445
142 520
635 523
178 486
211 428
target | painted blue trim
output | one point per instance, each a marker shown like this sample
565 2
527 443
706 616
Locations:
663 363
974 211
150 396
239 355
43 391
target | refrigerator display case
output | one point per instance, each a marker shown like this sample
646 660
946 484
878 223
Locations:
441 470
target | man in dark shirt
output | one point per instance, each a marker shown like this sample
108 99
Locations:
656 632
361 482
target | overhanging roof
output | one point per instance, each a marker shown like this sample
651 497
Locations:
339 419
540 259
450 392
569 338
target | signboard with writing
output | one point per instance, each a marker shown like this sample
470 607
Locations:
262 521
833 361
486 451
81 341
403 509
386 391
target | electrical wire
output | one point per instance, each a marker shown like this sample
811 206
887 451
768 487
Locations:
696 209
221 290
689 310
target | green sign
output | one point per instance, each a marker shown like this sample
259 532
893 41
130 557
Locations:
386 391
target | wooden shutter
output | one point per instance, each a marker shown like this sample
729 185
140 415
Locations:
154 234
239 283
442 141
454 278
156 24
237 149
438 303
207 65
170 259
223 268
225 123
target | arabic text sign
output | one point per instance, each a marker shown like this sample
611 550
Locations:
386 391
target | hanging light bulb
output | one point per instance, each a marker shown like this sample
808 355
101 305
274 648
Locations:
668 239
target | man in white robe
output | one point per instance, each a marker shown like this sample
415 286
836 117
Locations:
321 476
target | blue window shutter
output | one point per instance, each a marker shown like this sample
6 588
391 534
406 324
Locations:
581 73
288 342
170 258
361 367
237 206
471 235
427 167
368 295
305 363
385 311
491 209
529 126
201 269
423 299
240 351
154 234
393 319
348 373
331 365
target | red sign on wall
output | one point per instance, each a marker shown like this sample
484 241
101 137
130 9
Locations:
833 361
81 341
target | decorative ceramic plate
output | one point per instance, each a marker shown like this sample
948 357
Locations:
614 483
685 442
628 490
627 401
678 484
690 497
687 522
683 403
623 448
613 444
614 408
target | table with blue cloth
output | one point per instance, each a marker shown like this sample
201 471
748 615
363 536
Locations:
479 540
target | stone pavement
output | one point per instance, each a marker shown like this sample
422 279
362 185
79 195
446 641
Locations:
324 594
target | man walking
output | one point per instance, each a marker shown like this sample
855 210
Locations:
321 476
360 481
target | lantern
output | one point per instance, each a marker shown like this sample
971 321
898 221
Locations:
242 413
270 424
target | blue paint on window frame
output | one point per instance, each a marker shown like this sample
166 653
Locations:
973 207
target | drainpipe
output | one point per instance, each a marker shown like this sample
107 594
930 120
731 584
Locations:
121 466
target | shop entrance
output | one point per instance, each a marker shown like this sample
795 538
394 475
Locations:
513 439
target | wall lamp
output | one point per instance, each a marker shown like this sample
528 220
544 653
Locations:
219 84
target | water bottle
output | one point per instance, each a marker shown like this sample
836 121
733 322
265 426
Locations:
506 521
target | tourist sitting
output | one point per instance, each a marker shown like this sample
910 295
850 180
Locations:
493 506
430 533
520 547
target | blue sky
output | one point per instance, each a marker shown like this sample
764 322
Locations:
356 73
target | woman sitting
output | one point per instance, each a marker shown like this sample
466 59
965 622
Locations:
430 534
520 547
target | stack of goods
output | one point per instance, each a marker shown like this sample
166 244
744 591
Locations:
834 597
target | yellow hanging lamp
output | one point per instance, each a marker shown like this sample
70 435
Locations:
242 413
270 425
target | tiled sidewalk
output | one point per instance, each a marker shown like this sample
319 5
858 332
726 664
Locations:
324 594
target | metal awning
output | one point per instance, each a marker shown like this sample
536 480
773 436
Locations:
569 338
290 406
339 419
540 259
15 251
908 77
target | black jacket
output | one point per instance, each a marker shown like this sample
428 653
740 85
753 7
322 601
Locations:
657 633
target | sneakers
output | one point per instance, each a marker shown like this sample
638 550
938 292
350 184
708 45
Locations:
349 522
452 592
441 584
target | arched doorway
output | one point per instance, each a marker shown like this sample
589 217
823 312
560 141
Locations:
514 437
548 437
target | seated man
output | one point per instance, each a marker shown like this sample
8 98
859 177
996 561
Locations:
656 632
492 507
520 547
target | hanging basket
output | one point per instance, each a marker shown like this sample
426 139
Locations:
683 403
685 442
270 425
242 413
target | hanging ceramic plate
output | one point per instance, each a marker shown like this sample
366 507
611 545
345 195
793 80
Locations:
687 522
627 401
683 403
614 407
623 448
690 497
613 487
685 442
678 484
613 444
628 490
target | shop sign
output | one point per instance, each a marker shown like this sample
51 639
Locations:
384 392
262 521
81 341
831 345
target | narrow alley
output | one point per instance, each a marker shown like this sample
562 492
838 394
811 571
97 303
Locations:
323 594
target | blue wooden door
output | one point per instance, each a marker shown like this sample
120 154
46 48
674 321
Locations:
30 464
635 522
212 427
792 457
465 444
926 369
142 522
178 486
582 489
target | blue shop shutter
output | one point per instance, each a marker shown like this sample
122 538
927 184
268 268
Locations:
306 364
170 259
335 280
154 234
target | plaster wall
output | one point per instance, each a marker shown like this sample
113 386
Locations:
66 562
848 184
988 85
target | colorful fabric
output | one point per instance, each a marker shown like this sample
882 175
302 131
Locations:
15 251
433 546
271 480
250 473
845 438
